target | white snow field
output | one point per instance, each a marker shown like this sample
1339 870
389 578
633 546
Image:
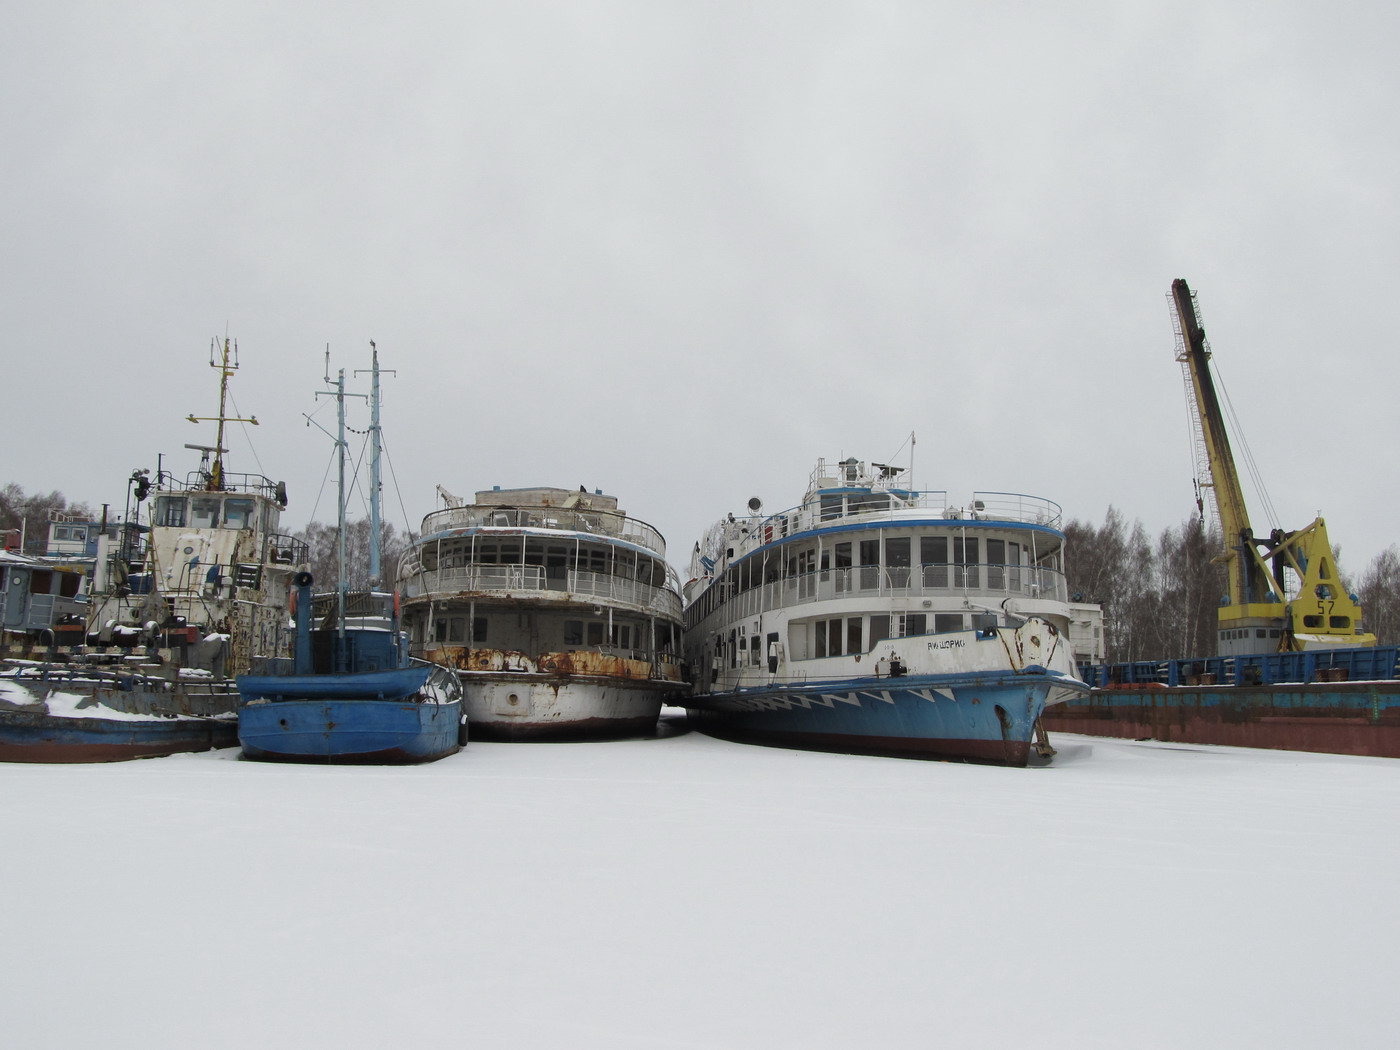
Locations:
688 892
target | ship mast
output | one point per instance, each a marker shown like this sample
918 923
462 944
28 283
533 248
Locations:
374 450
226 369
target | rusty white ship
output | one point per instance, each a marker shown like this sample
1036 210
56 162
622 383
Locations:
558 610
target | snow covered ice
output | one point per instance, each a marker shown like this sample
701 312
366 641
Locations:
688 892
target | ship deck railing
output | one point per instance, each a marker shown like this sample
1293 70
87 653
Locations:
979 583
986 508
535 580
601 523
1356 664
197 481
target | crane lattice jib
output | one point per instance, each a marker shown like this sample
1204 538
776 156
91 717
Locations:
1200 458
1245 585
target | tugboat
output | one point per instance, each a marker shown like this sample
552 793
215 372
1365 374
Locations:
180 605
879 619
351 693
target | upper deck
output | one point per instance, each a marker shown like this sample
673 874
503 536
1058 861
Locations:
592 515
853 495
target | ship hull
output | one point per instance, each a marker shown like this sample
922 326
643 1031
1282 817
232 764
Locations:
68 715
345 731
989 718
521 707
35 736
1347 718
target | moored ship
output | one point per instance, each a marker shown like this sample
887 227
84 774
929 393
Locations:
351 693
876 618
180 605
557 609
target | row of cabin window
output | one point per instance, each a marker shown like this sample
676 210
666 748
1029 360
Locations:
934 551
204 512
897 554
1243 632
557 559
844 635
451 630
1314 623
848 634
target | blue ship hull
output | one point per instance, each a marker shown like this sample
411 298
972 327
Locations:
990 718
350 730
396 683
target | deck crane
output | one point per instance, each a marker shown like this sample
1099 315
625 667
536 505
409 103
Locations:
1284 591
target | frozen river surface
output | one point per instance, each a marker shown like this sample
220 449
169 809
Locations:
687 892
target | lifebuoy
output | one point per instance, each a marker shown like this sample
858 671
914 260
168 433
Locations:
768 534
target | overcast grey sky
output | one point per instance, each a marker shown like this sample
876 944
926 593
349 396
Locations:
677 251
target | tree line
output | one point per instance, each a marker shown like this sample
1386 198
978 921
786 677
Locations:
1160 595
322 542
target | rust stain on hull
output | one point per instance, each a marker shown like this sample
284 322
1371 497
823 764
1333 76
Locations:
583 662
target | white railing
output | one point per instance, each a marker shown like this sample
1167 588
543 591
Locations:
984 507
533 578
601 523
989 584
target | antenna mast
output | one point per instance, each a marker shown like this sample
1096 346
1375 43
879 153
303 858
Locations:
374 450
226 369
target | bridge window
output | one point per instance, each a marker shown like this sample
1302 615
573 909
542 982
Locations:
170 512
204 513
238 514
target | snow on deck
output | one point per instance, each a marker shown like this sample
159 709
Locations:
687 892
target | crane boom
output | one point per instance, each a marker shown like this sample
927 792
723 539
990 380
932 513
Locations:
1285 592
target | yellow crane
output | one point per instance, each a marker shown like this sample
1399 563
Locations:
1284 591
